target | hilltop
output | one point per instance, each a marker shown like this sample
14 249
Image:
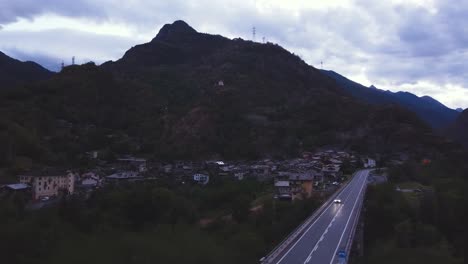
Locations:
13 72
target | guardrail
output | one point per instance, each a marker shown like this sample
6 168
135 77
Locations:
350 240
299 230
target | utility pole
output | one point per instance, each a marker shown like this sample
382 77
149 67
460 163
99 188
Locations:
254 33
73 60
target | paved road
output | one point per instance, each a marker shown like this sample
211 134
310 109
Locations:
329 232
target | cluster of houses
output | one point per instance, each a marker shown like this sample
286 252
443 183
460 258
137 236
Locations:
48 183
313 171
292 179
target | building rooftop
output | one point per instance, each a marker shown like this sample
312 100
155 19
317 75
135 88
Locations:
282 183
46 172
293 176
130 159
17 186
123 175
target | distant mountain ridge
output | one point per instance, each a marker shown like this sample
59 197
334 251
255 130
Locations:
434 113
13 72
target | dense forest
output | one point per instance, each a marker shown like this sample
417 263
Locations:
150 223
423 226
459 129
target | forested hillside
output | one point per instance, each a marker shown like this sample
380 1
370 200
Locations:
190 95
14 72
459 129
424 223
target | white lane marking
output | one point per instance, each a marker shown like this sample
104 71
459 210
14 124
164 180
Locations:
326 230
318 217
347 222
308 259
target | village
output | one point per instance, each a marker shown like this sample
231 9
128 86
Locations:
291 179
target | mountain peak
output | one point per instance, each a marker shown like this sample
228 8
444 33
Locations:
433 101
175 29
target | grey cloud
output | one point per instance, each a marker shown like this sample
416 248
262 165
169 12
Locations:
403 44
438 70
61 45
11 11
46 61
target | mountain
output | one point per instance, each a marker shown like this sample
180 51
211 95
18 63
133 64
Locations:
459 129
175 44
190 95
434 113
13 72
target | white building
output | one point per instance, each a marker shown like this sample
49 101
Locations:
89 180
89 183
369 163
48 183
201 178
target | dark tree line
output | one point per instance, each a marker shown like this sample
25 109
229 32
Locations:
426 226
149 223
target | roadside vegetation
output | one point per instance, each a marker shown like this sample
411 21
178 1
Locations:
426 225
150 223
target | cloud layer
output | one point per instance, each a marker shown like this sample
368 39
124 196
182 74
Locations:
417 45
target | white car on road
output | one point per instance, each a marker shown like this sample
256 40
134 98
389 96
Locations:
337 200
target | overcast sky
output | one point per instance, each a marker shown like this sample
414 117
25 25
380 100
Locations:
420 46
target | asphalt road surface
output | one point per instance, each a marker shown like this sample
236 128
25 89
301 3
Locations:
329 232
